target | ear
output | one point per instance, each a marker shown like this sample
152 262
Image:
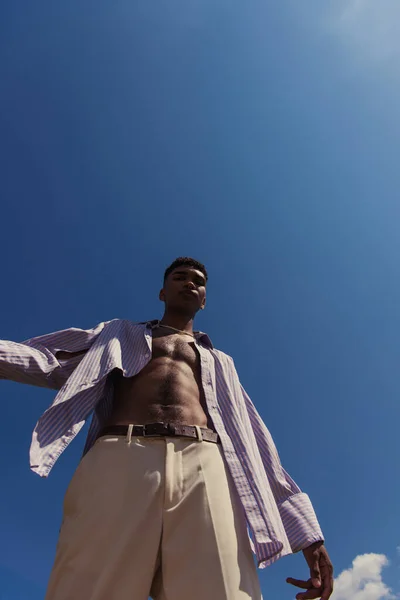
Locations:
161 295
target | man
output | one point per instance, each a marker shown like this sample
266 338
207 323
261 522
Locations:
178 465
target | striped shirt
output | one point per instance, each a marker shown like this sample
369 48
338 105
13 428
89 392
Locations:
280 517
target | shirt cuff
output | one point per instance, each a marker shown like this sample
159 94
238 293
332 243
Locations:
300 522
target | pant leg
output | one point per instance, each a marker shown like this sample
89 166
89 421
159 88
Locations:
110 537
205 548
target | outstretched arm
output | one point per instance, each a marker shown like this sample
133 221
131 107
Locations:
47 360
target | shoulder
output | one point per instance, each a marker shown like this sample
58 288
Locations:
124 323
126 327
118 327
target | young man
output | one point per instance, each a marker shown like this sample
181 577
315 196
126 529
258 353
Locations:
178 465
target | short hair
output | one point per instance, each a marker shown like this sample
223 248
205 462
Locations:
185 261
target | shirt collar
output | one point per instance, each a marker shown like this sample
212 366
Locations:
199 335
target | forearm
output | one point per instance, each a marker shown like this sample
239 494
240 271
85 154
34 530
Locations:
300 522
25 364
295 508
47 360
296 511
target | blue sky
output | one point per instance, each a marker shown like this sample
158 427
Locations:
262 138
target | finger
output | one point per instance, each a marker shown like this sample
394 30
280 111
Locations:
305 585
309 594
327 579
315 570
327 587
327 592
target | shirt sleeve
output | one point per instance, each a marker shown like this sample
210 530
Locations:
44 361
295 508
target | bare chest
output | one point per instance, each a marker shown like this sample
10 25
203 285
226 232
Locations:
176 348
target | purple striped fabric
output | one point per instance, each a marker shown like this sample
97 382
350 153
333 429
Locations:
280 517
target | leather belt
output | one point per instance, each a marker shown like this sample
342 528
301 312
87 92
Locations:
163 430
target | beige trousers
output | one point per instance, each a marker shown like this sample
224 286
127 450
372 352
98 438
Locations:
153 517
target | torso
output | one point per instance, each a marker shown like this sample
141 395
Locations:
168 389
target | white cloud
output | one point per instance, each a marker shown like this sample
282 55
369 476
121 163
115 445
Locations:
363 581
370 27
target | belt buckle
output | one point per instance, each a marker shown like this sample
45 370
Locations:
149 430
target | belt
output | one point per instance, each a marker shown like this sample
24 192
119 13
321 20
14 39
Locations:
163 429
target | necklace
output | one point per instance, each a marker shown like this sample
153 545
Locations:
174 329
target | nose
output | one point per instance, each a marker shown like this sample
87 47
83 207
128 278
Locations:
190 285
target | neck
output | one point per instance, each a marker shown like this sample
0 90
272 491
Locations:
177 320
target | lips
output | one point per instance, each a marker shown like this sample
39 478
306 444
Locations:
190 293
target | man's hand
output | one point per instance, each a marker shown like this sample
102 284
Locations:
320 584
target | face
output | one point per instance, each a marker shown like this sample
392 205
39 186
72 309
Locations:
185 289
